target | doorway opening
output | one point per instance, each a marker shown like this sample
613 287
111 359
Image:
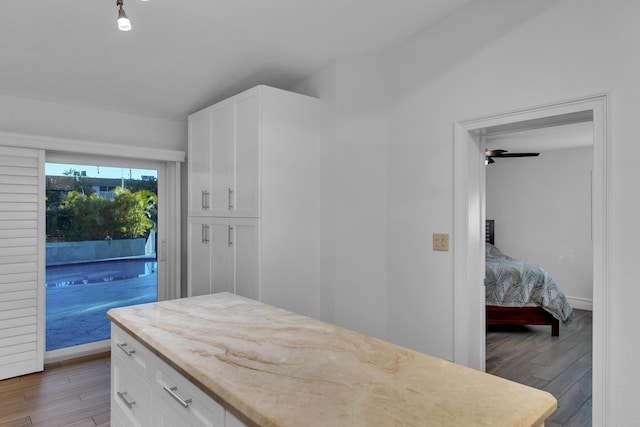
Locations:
101 252
469 317
541 211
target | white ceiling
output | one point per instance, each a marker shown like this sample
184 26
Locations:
183 55
549 134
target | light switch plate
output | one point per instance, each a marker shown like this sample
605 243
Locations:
440 242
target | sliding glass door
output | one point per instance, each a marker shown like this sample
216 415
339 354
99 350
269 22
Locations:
102 226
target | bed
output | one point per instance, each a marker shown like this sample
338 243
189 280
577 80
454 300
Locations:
520 293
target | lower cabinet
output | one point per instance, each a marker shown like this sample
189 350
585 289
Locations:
132 395
223 256
145 391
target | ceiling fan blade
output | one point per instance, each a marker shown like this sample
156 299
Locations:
492 153
517 155
498 154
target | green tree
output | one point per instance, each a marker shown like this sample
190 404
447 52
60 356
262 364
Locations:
81 217
133 213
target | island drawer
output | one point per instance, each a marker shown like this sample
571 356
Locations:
134 354
130 396
185 400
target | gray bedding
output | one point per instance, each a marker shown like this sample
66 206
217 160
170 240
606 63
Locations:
513 283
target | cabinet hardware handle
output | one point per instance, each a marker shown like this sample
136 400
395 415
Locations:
205 200
173 392
230 236
231 199
205 233
127 352
123 397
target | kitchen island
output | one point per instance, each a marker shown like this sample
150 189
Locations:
270 367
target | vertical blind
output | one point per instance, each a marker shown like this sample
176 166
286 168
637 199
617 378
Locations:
22 261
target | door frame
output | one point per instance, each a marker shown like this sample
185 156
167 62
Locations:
468 247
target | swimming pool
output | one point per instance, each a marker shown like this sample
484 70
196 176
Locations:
99 271
78 297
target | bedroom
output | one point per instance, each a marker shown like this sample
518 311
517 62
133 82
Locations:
541 206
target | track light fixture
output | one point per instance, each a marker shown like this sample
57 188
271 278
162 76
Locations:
124 24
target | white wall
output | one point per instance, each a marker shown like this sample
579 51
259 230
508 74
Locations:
353 193
542 212
81 123
42 118
491 57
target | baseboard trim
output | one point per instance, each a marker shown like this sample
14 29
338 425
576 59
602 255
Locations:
581 303
78 351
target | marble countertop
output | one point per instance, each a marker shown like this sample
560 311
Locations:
276 368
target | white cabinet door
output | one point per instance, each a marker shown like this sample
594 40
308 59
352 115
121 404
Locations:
210 264
199 157
222 158
223 256
245 257
180 403
130 394
246 188
199 259
166 417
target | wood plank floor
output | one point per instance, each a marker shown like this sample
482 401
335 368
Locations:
560 365
73 393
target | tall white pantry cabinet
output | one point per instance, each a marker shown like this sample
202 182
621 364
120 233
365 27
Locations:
253 190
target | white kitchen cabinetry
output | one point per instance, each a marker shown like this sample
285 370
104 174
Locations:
181 403
223 256
146 391
255 155
224 147
199 193
131 397
130 393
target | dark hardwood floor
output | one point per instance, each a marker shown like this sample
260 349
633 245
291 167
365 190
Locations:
73 393
560 365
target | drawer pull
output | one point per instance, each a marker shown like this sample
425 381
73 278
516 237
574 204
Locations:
205 234
205 200
123 397
172 391
127 352
230 199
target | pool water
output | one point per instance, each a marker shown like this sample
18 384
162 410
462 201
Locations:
78 297
98 272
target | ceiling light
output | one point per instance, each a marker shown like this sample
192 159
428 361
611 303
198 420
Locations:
124 24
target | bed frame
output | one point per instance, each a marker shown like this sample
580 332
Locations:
497 315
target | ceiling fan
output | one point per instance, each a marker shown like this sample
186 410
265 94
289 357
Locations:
497 154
